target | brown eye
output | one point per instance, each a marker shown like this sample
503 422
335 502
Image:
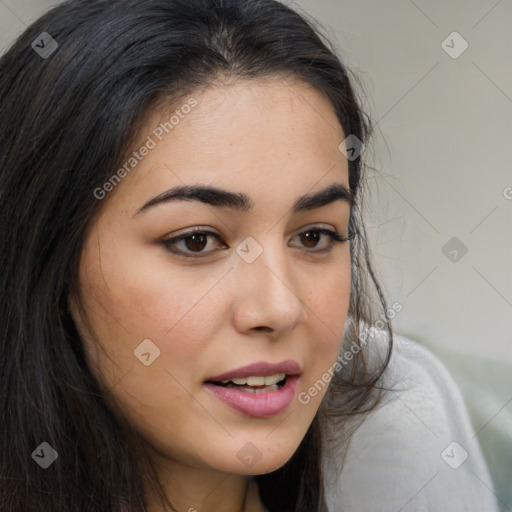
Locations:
196 242
192 244
310 238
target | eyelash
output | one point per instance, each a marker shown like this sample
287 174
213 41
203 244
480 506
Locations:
334 236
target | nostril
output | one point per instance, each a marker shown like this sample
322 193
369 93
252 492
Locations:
263 328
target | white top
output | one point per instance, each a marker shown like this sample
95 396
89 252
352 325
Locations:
416 452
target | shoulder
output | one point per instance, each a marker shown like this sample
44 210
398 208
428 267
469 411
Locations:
417 450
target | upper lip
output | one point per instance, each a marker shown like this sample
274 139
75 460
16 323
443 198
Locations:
261 368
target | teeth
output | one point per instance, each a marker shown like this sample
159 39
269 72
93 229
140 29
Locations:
274 379
260 390
257 380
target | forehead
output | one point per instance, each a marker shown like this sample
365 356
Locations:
247 135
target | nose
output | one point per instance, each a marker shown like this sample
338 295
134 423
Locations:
267 296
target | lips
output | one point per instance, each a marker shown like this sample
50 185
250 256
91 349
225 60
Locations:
257 401
259 369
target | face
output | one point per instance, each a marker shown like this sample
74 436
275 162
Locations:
261 284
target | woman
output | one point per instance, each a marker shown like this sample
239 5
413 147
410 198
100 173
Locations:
190 320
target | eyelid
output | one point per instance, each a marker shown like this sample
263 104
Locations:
332 233
168 242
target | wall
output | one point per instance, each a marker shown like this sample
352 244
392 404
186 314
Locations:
443 154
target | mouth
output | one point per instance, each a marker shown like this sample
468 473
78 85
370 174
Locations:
254 384
258 390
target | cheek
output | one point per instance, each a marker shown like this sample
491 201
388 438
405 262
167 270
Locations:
138 295
328 308
328 302
134 296
178 316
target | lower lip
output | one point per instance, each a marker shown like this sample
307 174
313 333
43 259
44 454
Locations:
257 405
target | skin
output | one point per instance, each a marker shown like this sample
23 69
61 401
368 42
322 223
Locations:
273 140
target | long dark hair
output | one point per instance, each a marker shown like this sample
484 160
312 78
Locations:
67 121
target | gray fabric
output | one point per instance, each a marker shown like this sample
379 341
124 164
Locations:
408 454
486 386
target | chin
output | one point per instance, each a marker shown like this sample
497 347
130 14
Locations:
254 462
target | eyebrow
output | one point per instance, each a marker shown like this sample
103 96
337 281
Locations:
241 202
